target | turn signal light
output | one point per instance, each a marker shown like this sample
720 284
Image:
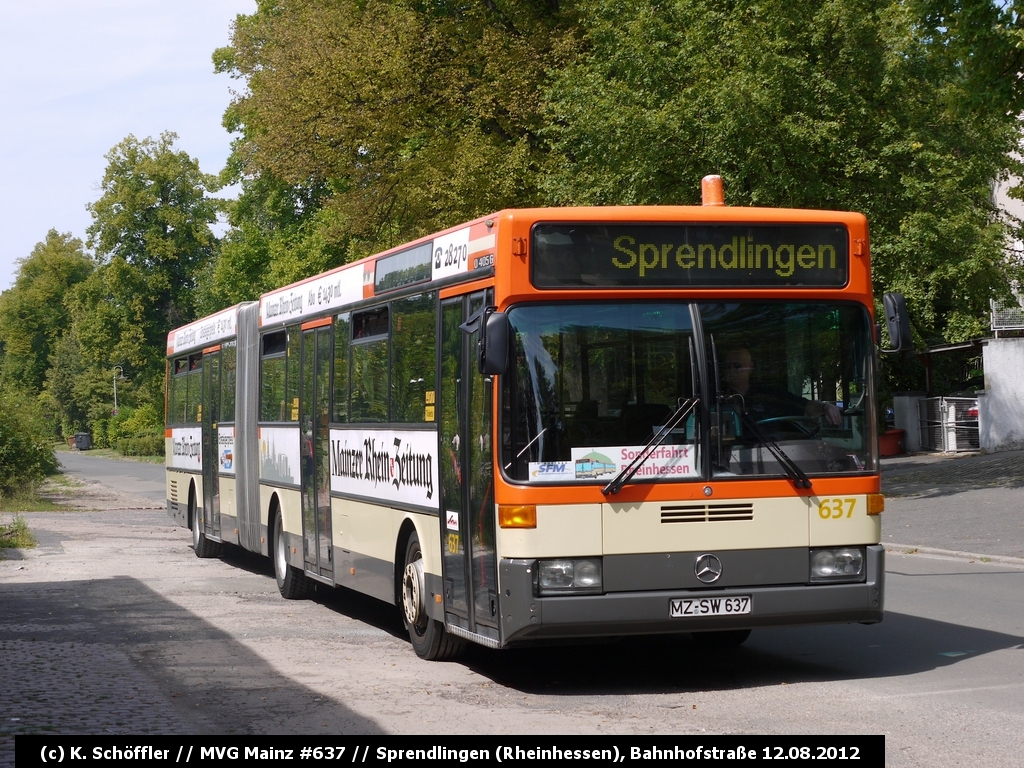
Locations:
876 503
517 515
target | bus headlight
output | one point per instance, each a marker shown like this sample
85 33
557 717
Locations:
837 564
575 576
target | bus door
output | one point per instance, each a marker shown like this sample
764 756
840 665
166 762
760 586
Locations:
210 516
314 422
467 486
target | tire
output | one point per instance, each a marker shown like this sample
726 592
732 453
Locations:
427 635
291 582
723 638
201 545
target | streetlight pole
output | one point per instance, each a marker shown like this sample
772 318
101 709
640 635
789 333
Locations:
117 369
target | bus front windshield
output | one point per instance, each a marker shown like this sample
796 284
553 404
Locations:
592 383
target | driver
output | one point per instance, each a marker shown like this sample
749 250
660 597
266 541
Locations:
763 402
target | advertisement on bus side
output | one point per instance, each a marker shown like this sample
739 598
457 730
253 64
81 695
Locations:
386 464
187 448
226 450
205 332
279 455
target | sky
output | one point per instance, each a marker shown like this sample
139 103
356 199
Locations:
77 78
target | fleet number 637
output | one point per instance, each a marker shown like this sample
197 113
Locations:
836 509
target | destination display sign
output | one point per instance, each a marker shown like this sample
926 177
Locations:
689 255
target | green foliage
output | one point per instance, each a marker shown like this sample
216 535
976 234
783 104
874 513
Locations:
151 231
133 431
144 420
16 535
33 312
26 446
366 123
904 111
361 124
148 445
99 433
60 390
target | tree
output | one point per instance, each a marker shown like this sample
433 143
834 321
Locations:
906 111
151 234
366 123
34 313
61 393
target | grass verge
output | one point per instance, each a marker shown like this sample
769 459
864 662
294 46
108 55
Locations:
47 496
16 535
110 453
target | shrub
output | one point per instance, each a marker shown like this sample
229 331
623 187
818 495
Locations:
26 447
146 445
137 431
99 433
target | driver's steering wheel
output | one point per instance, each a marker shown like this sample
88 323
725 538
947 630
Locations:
809 425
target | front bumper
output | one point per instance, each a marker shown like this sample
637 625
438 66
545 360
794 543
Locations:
525 617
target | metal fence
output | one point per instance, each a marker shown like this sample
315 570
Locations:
1007 317
947 425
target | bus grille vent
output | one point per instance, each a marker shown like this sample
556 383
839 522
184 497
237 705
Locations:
706 513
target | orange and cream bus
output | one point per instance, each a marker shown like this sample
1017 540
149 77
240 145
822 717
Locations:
555 423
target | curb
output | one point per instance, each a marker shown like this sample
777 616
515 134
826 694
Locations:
908 549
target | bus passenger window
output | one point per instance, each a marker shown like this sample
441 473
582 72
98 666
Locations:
291 382
370 360
227 384
178 395
272 377
414 369
342 329
194 396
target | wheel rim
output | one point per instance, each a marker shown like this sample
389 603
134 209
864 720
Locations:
280 555
195 528
412 594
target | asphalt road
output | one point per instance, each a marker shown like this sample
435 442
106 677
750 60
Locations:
966 504
113 624
136 477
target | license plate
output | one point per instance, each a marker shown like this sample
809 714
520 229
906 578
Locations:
709 606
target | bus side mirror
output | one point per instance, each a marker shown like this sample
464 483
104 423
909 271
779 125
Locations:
897 319
493 346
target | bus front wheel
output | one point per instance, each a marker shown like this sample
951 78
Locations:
427 635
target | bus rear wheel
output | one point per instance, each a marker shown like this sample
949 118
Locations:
201 545
723 638
428 636
292 583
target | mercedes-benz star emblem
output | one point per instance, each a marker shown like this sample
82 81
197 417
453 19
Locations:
708 568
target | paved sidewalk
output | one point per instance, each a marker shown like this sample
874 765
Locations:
971 505
932 473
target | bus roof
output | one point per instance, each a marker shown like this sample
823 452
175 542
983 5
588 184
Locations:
455 250
204 331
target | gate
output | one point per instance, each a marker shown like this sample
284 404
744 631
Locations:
949 424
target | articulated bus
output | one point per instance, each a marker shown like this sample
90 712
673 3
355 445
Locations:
551 424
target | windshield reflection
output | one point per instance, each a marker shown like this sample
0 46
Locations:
592 383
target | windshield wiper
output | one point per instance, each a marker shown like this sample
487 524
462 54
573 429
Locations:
527 446
630 469
797 475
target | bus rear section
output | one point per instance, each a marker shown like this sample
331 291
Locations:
210 427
